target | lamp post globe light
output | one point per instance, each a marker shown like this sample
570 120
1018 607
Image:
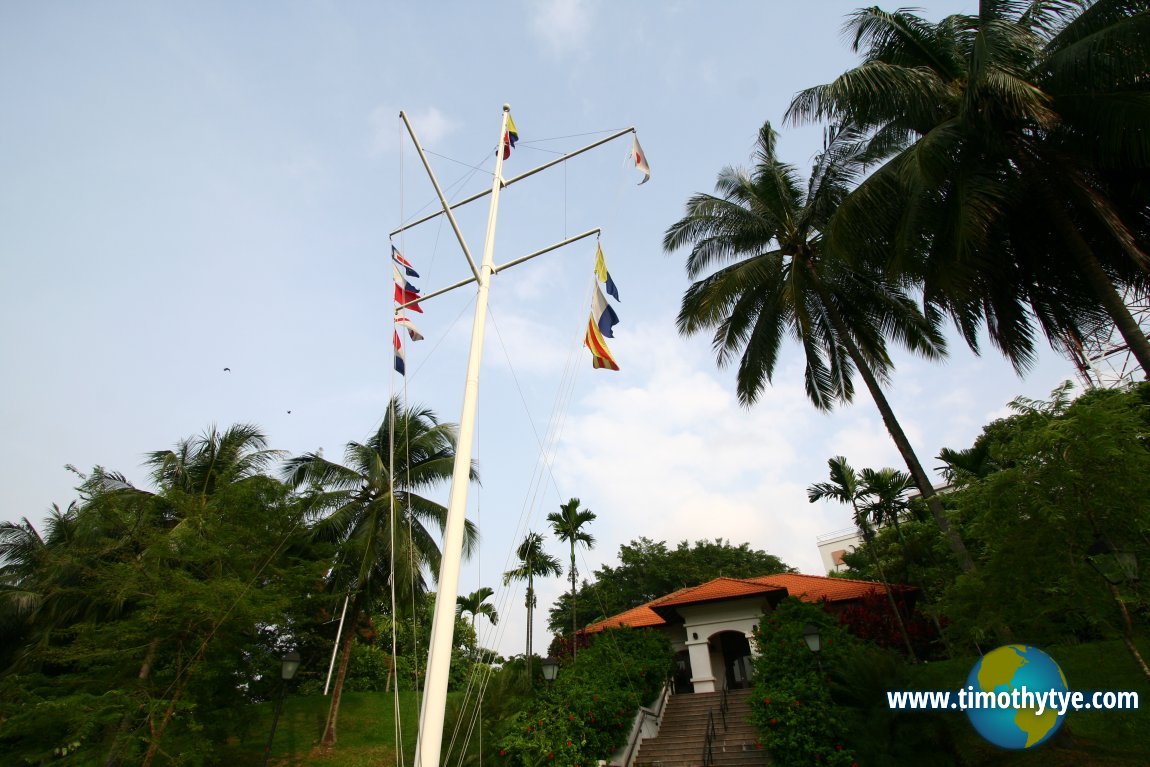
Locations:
814 642
812 638
550 668
288 666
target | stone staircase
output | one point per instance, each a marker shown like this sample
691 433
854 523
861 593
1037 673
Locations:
684 730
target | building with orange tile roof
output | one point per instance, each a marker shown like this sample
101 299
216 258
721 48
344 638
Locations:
711 625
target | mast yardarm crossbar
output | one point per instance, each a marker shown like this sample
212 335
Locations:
443 623
506 183
501 267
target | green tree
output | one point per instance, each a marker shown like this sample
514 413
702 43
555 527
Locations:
200 485
1015 137
784 278
583 716
144 600
567 524
792 708
475 604
648 569
884 497
845 487
1071 472
26 581
534 563
374 509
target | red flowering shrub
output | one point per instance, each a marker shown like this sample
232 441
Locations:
798 721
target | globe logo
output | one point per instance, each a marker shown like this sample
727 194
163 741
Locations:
1001 672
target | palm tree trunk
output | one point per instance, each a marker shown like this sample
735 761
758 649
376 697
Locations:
530 612
1107 293
329 734
912 463
925 487
889 594
574 621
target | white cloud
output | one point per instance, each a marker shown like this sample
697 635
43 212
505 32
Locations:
562 25
429 123
671 455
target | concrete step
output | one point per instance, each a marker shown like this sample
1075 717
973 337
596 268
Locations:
684 728
691 745
747 759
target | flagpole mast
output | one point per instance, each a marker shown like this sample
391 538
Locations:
443 624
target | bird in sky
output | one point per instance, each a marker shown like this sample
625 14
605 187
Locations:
227 370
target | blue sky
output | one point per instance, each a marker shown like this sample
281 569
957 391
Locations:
188 187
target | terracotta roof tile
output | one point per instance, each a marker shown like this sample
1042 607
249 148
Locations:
720 588
816 588
636 617
808 588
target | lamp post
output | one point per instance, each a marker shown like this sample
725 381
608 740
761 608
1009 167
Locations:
814 642
1117 567
288 667
550 668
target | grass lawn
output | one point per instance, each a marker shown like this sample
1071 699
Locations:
1108 738
365 730
1104 738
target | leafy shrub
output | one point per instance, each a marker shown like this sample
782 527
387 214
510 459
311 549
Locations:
792 706
586 714
368 669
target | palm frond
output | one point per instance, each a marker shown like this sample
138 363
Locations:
843 485
866 95
904 39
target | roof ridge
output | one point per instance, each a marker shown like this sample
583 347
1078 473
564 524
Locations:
826 578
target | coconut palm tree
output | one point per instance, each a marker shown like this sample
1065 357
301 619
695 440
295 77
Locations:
204 464
534 563
1016 185
374 509
46 577
845 487
780 277
188 480
475 604
25 580
567 524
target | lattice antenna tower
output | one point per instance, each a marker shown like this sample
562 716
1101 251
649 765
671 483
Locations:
1102 357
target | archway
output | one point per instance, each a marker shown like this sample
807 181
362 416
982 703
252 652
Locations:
736 658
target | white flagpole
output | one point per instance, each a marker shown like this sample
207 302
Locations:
335 648
443 625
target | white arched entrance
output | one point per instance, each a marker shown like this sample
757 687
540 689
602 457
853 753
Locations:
719 642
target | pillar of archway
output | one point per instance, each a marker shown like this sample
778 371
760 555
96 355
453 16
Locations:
702 675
